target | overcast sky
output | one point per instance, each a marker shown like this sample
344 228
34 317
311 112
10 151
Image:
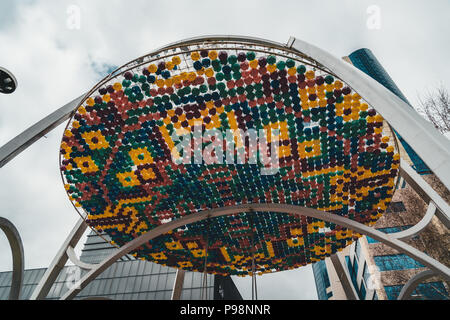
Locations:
55 64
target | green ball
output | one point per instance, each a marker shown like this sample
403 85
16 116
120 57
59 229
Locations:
301 69
290 63
271 59
329 79
219 76
232 59
237 75
251 55
281 65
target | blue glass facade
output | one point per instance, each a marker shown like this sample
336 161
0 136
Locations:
396 262
424 291
353 271
322 280
388 230
364 60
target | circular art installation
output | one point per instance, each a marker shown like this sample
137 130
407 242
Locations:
333 153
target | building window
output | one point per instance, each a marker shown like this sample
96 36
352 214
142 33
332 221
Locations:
397 206
389 230
353 270
322 279
396 262
362 292
424 291
366 273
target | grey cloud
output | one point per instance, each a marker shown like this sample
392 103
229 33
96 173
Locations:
54 64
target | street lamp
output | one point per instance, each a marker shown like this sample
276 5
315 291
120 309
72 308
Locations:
8 82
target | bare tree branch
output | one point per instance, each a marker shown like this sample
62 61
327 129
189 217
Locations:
435 106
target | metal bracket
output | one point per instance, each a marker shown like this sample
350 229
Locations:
412 284
416 229
73 257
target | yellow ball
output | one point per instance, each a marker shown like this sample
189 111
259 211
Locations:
213 54
176 60
195 56
152 68
117 86
310 74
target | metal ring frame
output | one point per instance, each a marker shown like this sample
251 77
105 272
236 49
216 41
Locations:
427 142
232 43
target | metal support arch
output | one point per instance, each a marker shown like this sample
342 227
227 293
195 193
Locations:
401 246
412 284
426 192
15 243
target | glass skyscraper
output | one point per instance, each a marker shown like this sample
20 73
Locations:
322 280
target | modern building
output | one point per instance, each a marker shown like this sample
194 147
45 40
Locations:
328 285
376 270
126 279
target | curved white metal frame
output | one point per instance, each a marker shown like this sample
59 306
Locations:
437 267
15 243
70 251
417 228
412 284
422 136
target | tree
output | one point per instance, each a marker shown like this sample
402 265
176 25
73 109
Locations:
435 106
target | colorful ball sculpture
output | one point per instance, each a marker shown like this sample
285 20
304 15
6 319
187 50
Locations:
118 167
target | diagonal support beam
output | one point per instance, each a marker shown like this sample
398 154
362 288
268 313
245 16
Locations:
344 277
178 284
58 263
15 146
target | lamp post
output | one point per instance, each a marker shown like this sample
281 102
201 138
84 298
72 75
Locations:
8 82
